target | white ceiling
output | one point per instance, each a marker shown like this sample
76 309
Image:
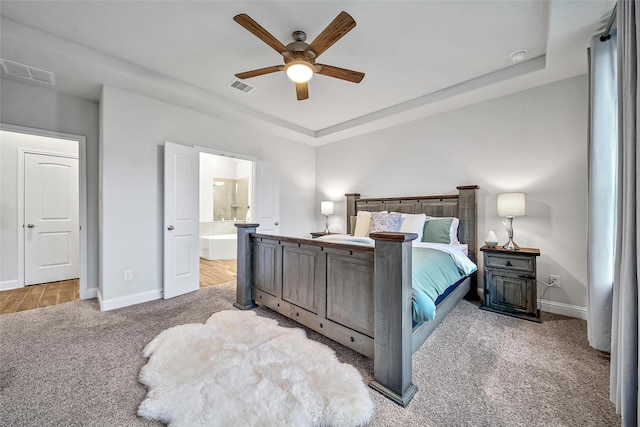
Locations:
419 57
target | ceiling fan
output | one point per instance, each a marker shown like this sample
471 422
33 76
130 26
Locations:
300 57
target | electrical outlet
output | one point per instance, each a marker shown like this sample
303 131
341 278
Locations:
128 276
554 280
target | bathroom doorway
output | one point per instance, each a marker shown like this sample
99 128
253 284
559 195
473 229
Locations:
225 193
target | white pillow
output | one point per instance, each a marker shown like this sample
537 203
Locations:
413 223
362 224
453 233
453 230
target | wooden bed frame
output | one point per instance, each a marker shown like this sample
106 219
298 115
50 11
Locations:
352 293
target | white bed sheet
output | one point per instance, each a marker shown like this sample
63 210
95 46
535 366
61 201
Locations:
455 250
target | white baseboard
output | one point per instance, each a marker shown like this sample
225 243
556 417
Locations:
556 307
6 285
125 301
563 309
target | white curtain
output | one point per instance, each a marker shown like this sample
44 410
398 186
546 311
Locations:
625 320
603 157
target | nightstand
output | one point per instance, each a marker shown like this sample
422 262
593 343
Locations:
510 284
317 234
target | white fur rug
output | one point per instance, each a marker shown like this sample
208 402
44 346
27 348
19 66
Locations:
240 369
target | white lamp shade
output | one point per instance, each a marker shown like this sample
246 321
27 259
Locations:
511 204
326 208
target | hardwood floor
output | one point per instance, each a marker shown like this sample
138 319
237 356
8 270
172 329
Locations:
37 296
212 272
216 272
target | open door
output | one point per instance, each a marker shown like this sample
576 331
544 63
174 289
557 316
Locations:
181 268
267 212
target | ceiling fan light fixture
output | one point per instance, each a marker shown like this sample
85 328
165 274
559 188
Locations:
299 71
300 57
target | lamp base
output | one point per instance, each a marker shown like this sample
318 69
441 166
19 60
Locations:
326 228
510 246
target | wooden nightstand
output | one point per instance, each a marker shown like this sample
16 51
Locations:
317 234
510 284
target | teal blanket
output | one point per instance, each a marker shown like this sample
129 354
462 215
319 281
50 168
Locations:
433 271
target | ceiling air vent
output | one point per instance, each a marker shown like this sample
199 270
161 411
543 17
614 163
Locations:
22 71
241 86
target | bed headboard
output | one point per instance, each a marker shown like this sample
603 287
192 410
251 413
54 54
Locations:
462 205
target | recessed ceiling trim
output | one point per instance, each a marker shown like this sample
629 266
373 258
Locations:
28 44
519 69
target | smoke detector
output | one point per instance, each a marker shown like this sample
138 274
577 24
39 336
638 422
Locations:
518 56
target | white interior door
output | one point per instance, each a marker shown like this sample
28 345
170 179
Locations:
181 268
51 218
267 212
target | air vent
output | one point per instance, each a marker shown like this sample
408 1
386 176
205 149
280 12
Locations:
22 71
241 86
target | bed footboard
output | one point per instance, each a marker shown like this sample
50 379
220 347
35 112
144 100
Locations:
348 293
392 371
244 268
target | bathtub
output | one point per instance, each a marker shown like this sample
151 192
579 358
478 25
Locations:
219 246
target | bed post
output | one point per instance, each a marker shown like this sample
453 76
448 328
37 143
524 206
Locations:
244 267
351 209
392 345
468 231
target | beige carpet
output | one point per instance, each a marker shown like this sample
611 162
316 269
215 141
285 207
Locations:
71 365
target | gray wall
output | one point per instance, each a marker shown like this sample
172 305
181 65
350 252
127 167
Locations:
533 141
133 132
41 108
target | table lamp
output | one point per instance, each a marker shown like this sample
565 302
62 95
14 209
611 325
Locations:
511 205
326 208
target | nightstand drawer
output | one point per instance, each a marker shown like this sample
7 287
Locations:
511 262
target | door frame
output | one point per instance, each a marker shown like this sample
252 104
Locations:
197 150
82 196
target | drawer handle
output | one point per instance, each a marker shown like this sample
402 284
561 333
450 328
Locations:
508 264
526 276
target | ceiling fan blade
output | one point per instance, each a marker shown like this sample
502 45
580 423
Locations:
340 73
334 32
302 91
256 29
259 72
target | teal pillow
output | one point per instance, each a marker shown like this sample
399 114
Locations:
437 230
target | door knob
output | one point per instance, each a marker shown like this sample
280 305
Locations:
277 223
30 225
170 227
